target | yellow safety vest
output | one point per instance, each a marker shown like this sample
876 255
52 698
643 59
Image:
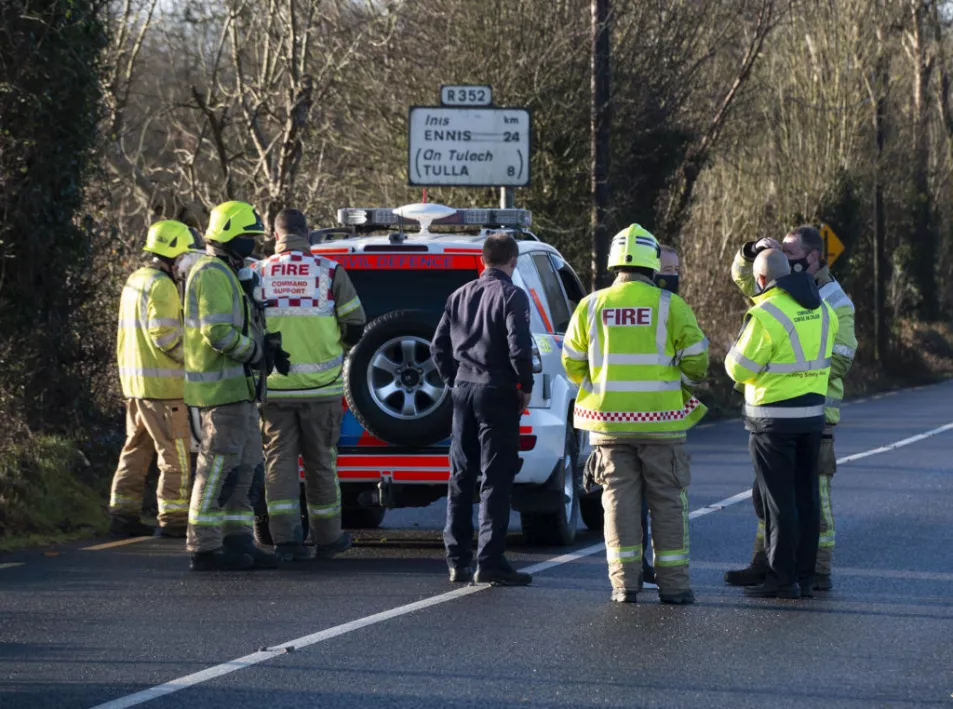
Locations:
299 303
149 340
219 337
845 342
783 357
630 348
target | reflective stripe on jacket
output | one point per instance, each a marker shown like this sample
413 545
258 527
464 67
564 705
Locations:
630 348
149 339
845 342
300 304
783 357
219 337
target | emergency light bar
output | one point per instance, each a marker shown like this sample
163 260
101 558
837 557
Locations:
385 217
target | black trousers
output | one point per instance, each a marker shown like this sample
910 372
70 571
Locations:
785 466
486 438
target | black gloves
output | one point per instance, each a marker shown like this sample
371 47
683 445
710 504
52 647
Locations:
275 357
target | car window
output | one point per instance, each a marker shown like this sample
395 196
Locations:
537 294
573 287
555 298
383 291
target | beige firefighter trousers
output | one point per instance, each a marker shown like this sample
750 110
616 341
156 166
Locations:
310 429
661 472
229 454
154 426
827 466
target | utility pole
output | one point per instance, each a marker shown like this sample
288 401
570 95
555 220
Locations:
881 83
600 117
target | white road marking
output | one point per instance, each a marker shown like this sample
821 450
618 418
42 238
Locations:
256 658
120 543
11 564
898 444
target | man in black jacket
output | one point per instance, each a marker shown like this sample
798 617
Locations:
483 349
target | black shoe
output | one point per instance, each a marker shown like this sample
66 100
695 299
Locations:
503 577
648 573
220 560
770 589
171 531
461 574
822 582
287 553
620 595
807 589
326 551
682 598
244 544
752 575
129 527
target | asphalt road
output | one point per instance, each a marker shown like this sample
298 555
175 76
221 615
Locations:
87 627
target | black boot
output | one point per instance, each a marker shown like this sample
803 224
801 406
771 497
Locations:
770 588
129 527
503 576
342 544
752 575
294 552
679 598
244 544
171 531
220 560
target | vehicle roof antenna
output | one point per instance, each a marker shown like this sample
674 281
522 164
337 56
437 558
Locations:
401 236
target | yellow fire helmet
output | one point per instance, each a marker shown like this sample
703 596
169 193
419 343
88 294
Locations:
231 219
634 247
168 238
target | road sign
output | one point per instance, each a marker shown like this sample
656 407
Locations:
469 147
466 95
833 246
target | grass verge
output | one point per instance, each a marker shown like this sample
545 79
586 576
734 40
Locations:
46 495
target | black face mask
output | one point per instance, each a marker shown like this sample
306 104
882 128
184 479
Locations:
242 246
799 265
667 281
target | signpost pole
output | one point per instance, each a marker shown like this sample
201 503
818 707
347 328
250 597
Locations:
506 198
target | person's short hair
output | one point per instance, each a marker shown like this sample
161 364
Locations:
810 238
666 249
291 221
500 249
640 270
772 264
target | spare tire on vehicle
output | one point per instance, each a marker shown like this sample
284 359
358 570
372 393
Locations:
391 383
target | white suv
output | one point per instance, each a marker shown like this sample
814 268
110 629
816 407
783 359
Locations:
394 447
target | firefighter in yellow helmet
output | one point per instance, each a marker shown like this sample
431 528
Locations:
149 350
223 341
633 349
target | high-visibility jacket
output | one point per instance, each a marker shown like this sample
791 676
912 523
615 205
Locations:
299 292
220 338
845 343
630 348
783 357
149 340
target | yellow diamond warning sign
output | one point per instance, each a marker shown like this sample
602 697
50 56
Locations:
833 246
